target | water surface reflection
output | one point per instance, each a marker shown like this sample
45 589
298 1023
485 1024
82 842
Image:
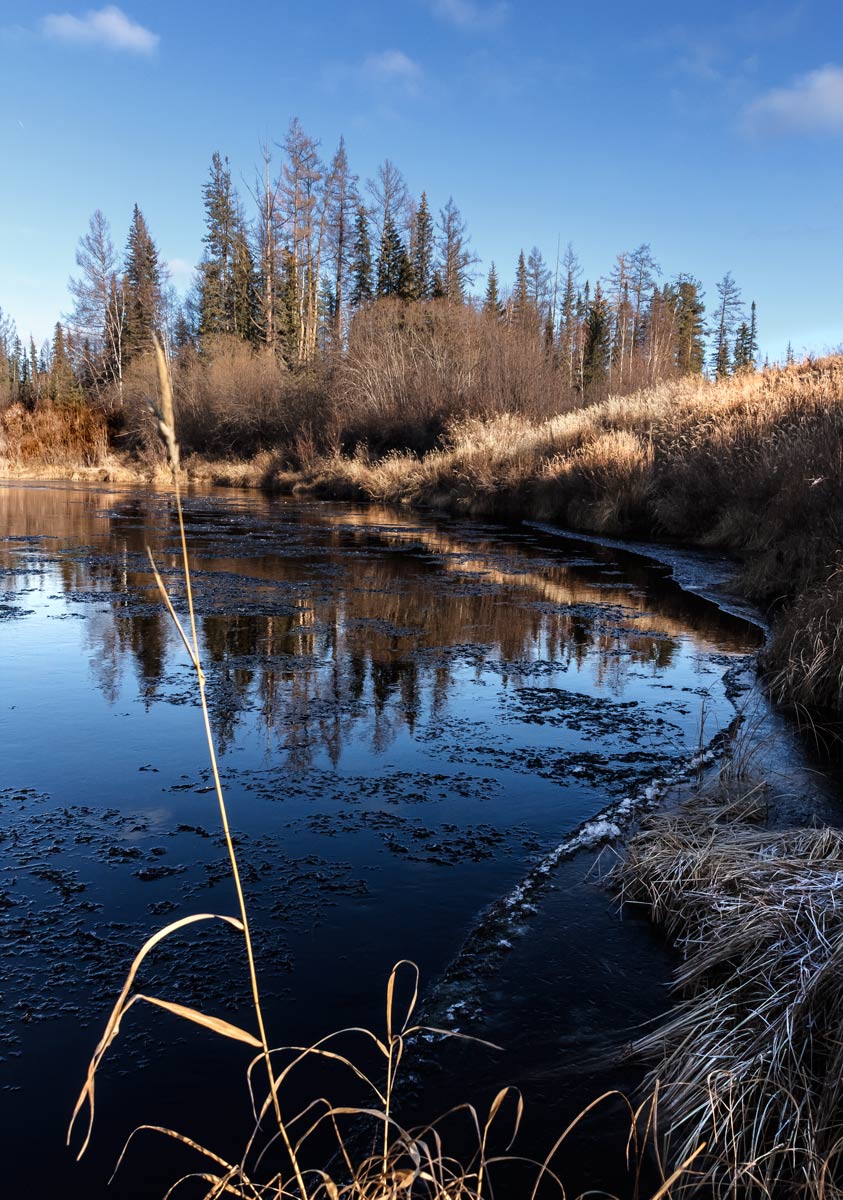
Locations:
409 711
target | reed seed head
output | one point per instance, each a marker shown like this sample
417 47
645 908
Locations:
162 408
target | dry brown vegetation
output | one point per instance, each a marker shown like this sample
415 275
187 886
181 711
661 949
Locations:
71 435
753 465
750 1061
411 371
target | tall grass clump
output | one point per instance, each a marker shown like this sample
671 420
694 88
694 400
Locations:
319 1153
71 434
751 1058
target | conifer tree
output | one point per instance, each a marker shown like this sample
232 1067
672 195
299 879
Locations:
395 273
690 326
60 382
742 357
520 296
362 289
244 294
455 257
142 287
569 326
288 310
492 302
423 251
728 313
597 341
226 273
753 335
341 201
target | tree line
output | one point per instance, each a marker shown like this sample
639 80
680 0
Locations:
316 248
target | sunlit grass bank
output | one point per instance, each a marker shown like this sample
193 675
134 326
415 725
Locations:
752 465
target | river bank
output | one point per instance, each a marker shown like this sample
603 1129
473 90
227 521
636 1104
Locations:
749 466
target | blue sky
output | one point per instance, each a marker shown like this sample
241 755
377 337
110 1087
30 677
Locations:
714 131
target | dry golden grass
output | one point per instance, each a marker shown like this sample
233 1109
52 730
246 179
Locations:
65 436
750 1060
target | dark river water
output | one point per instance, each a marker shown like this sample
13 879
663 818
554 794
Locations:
411 713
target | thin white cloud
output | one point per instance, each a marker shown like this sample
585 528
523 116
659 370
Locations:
107 27
812 104
180 267
393 67
469 14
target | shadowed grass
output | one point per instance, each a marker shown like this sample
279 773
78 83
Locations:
751 1058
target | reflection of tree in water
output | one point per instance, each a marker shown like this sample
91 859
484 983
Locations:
362 629
370 657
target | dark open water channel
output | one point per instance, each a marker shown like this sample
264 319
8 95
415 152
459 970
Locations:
411 714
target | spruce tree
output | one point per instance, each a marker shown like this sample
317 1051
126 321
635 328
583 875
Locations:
361 263
244 293
395 273
690 326
598 340
227 284
288 309
423 251
492 302
520 297
60 381
142 288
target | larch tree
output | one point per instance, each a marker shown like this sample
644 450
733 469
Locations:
456 259
538 277
727 316
266 194
305 217
389 200
622 318
99 314
643 273
569 326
